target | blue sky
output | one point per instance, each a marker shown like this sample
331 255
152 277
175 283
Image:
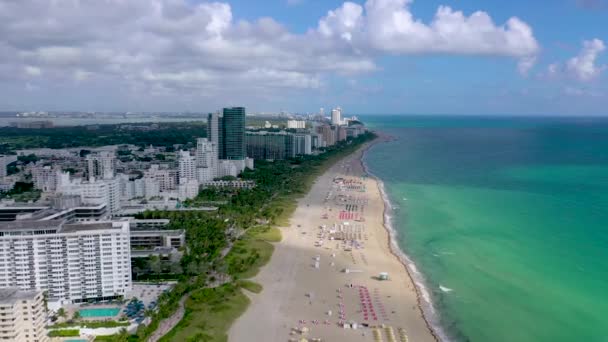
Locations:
376 56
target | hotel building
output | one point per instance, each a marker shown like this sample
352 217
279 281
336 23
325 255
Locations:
74 262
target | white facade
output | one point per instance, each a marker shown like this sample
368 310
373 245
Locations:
72 262
205 174
98 192
303 144
188 190
22 316
165 178
336 116
186 167
45 178
151 187
298 124
227 168
101 165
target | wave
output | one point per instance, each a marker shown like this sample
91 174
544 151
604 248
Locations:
424 298
445 289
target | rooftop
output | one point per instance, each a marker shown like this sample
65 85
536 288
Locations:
10 295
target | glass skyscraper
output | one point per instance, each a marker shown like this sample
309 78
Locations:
232 130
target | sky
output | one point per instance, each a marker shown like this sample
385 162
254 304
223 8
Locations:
516 57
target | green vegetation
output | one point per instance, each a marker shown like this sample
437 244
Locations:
209 313
250 286
167 134
244 223
22 192
64 333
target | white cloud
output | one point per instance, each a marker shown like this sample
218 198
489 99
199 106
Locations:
177 46
390 26
32 70
584 66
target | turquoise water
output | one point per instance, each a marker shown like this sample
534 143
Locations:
99 312
509 216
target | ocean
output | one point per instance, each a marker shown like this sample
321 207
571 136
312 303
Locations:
505 218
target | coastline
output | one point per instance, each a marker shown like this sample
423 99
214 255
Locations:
297 293
425 304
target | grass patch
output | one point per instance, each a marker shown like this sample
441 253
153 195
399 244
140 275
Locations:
64 333
250 286
248 255
266 233
209 314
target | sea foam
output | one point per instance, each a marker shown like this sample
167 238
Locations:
425 301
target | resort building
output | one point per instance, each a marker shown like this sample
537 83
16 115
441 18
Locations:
22 316
74 262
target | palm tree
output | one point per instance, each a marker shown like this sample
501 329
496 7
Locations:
61 313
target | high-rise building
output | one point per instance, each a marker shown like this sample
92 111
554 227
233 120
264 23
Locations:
45 178
328 135
187 167
303 144
101 165
267 145
102 192
213 128
336 116
23 315
341 133
72 262
233 134
206 160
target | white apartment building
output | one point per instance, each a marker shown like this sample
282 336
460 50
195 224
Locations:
45 178
297 124
101 165
4 161
22 316
166 178
186 167
98 192
336 116
73 262
188 189
151 187
206 160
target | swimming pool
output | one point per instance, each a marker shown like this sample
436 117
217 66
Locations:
99 312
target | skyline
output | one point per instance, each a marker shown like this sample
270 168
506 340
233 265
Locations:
377 56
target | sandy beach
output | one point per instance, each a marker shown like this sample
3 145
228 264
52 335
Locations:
337 226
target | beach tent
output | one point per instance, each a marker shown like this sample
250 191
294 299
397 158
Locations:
383 276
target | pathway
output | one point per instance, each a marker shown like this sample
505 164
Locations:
169 323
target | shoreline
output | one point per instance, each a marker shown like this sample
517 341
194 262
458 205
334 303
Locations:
300 292
425 304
